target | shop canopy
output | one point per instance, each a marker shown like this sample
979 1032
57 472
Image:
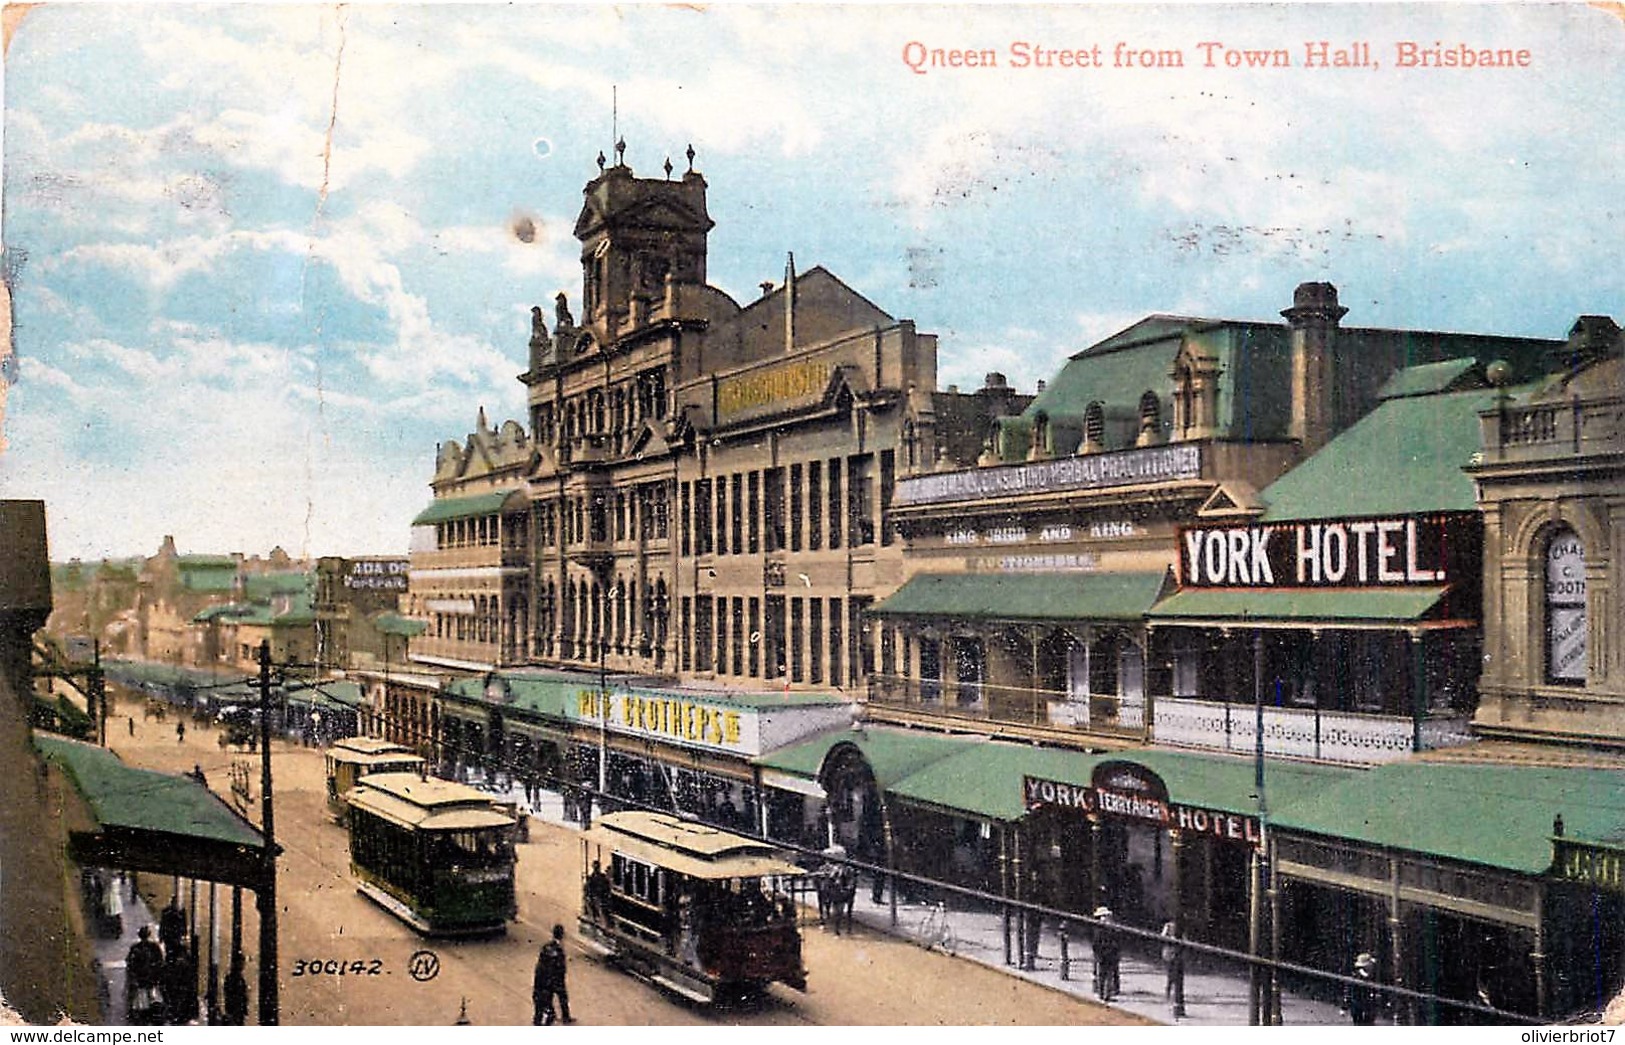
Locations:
1443 809
986 781
892 754
1298 607
150 821
446 509
1026 596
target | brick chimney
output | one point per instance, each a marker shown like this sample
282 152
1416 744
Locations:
1313 320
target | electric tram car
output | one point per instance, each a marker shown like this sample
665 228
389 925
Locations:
436 854
689 907
354 757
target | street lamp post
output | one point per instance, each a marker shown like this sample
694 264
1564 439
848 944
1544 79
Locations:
266 894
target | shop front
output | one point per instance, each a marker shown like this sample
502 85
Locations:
1398 862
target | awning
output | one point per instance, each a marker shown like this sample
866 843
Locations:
447 508
986 782
1025 596
150 821
1441 809
892 754
1295 607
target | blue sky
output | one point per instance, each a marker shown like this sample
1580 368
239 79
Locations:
264 257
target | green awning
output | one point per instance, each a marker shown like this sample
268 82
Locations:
444 509
985 781
1441 809
1265 608
1025 596
122 796
892 754
387 623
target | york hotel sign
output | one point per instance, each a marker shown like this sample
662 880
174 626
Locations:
1137 794
1346 553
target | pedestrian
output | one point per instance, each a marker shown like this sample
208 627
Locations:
236 992
172 928
598 893
143 971
129 721
180 732
549 981
1362 996
1173 962
1107 955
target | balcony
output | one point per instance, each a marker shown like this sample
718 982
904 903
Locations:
984 705
1330 736
1545 430
469 556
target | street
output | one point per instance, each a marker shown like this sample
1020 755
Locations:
343 960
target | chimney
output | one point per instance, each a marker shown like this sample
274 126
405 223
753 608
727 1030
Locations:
789 303
1590 338
1313 320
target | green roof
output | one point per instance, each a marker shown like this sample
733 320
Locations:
1442 809
1298 604
892 754
443 509
259 587
1427 379
1417 446
230 609
389 623
1026 596
985 781
205 562
140 799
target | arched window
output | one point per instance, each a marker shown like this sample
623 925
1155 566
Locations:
1565 599
1094 426
1150 419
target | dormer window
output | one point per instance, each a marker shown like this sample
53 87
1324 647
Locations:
1150 420
1094 428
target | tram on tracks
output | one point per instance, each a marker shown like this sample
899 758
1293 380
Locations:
437 855
352 758
693 909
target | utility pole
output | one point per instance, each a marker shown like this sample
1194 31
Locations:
266 893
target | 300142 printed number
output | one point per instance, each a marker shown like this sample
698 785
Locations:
337 967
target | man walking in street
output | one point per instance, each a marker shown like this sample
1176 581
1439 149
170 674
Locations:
1107 955
549 981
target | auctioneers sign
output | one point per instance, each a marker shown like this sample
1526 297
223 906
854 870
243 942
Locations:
1331 553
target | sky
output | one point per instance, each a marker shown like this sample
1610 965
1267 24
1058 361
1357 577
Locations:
263 259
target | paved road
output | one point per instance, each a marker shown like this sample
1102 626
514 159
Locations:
868 978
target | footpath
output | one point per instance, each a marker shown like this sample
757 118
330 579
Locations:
1214 995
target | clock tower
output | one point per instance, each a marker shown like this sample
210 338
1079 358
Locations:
636 234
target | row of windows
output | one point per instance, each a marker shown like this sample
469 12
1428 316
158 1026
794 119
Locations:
800 639
642 512
617 412
481 531
809 506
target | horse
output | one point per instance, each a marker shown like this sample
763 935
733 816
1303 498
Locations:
837 886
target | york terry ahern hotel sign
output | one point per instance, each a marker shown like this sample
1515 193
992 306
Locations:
1088 472
1331 553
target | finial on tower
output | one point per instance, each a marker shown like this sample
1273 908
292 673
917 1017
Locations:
691 157
601 161
668 168
620 153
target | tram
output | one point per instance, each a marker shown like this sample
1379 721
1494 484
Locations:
689 907
352 758
436 854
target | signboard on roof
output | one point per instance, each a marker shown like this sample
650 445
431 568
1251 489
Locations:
1331 553
376 574
1151 464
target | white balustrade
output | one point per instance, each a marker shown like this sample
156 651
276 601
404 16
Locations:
1292 732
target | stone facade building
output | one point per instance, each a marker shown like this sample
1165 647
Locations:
704 492
1551 481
